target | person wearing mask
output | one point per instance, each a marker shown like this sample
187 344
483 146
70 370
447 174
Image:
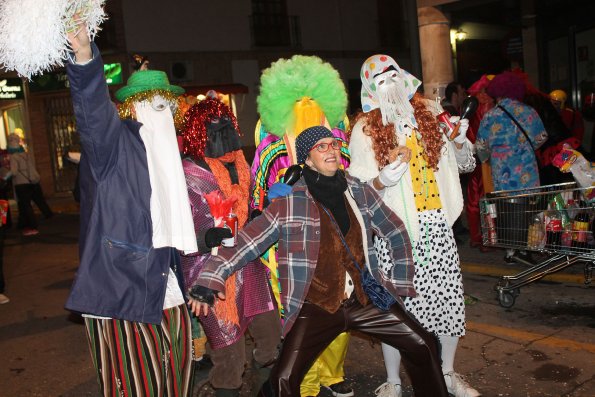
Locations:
324 229
425 192
135 218
214 162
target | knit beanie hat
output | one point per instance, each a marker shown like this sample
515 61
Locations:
307 139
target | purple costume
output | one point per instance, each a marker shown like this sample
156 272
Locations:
252 290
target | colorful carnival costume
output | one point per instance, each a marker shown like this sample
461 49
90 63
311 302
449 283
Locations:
425 193
295 94
324 228
215 164
135 217
509 135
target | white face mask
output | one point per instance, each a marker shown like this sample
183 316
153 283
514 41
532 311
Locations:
154 111
392 97
159 103
386 81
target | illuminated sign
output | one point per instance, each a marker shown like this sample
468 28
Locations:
11 89
113 73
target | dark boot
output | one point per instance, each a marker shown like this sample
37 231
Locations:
260 375
266 390
227 392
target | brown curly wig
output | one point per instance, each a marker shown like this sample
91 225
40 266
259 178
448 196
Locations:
384 140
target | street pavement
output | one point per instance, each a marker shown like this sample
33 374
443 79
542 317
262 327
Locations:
543 345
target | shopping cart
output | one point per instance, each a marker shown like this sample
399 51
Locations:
555 220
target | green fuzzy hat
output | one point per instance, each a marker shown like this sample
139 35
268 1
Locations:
289 80
147 80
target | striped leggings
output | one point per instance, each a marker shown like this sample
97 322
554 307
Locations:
137 359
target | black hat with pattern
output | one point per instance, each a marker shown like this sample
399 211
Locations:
307 139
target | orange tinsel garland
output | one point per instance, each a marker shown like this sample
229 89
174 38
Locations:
227 310
240 190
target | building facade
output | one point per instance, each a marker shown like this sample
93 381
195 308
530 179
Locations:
222 45
225 45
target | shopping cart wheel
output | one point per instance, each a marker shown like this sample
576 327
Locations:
506 299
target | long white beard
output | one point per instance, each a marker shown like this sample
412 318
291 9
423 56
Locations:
170 208
394 102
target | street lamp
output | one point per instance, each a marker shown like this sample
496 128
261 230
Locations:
460 35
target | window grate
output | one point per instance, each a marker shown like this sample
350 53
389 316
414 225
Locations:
62 138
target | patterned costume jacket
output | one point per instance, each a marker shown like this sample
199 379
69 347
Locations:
294 222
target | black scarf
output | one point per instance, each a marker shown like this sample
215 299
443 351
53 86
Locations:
222 138
328 191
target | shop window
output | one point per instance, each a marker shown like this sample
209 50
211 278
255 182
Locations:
12 121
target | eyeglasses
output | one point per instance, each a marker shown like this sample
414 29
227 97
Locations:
324 147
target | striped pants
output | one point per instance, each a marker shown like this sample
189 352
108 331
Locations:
137 359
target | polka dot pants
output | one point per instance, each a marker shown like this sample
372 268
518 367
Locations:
440 305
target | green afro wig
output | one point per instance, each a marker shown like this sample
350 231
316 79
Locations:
289 80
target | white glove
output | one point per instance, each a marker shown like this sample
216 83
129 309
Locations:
392 173
463 127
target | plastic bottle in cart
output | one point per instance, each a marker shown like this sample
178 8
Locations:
490 235
536 232
571 208
558 204
553 230
566 234
580 230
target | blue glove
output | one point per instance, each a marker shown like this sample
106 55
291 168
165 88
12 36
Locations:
279 189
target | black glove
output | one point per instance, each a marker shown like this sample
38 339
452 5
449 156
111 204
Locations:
215 235
255 212
203 294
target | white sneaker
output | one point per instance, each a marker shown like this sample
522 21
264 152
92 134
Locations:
389 390
4 299
458 387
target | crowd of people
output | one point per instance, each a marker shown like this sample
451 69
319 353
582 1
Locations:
338 225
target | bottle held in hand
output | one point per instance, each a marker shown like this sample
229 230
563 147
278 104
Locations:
231 223
451 130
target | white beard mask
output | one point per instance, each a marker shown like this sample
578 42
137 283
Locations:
170 207
394 101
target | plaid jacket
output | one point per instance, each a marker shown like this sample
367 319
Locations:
294 222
